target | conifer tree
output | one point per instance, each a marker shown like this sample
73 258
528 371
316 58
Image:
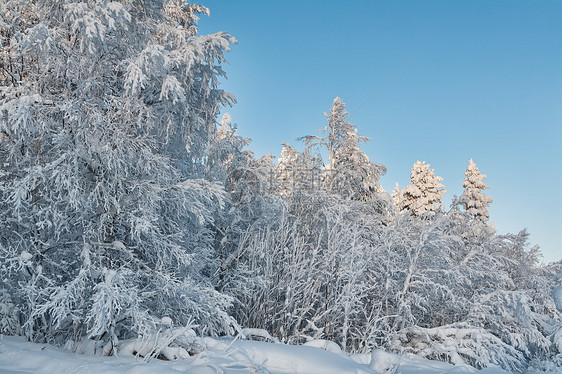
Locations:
424 193
349 171
473 200
287 169
397 197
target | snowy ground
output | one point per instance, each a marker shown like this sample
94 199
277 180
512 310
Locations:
223 356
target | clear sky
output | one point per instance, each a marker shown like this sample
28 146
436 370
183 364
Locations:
483 81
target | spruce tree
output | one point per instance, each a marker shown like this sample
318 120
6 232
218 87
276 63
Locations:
424 193
473 200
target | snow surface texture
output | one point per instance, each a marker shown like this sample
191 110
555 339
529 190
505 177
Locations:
222 356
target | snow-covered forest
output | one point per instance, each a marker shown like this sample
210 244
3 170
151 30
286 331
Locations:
134 218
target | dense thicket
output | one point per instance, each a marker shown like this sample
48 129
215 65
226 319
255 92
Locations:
364 273
127 211
106 110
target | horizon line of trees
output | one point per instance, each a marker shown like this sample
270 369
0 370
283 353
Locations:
347 262
127 213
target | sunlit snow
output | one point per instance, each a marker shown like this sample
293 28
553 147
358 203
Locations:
222 356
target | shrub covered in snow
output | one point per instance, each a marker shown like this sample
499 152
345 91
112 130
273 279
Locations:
460 344
9 319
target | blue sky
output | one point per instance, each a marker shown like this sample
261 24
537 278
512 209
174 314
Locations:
483 81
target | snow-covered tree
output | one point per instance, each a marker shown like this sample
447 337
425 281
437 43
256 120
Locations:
349 171
230 163
106 109
474 201
309 272
288 169
9 321
227 152
296 171
246 181
424 193
397 197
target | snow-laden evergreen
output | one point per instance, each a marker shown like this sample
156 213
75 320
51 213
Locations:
349 171
424 193
473 200
397 197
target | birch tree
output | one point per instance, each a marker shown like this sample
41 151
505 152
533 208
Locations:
106 109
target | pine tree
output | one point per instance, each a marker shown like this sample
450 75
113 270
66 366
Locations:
424 193
473 200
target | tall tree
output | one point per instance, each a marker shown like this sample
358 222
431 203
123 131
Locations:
106 109
397 197
424 193
349 171
473 200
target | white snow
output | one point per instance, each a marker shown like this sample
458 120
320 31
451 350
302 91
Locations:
225 356
25 257
326 345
